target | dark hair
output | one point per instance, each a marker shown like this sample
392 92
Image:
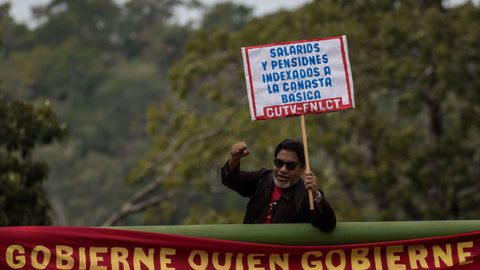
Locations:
291 145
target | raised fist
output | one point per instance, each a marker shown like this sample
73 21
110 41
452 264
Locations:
239 150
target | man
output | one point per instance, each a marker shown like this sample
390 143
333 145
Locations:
279 195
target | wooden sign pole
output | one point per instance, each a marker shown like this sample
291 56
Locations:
307 161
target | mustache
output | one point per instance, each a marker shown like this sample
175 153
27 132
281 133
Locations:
281 184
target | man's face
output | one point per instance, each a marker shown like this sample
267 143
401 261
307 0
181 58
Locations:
284 177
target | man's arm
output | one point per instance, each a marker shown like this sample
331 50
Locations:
238 151
323 216
242 182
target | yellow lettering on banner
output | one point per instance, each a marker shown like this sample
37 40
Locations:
359 259
139 256
392 258
64 257
216 261
462 255
329 259
95 259
253 261
239 262
446 255
164 260
46 257
418 254
119 255
276 259
15 261
82 259
378 258
203 255
312 265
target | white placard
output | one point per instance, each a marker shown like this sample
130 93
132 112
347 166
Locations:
296 78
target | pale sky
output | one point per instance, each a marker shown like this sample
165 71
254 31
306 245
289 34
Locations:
21 8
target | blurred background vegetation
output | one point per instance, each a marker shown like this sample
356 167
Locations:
116 114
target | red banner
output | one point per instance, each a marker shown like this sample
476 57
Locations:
103 249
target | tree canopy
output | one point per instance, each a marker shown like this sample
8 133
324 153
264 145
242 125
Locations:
23 127
410 149
153 107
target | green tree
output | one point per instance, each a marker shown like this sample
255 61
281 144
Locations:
407 152
23 127
12 35
144 28
91 23
227 16
101 64
179 129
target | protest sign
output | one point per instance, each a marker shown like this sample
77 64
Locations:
297 78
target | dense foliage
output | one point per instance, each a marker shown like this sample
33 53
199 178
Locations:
23 127
146 149
409 151
100 64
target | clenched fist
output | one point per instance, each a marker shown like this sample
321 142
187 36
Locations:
238 151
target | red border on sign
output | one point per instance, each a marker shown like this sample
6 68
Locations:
347 77
251 83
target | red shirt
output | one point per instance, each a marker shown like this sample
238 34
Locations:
276 194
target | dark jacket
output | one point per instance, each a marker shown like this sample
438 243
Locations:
293 206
